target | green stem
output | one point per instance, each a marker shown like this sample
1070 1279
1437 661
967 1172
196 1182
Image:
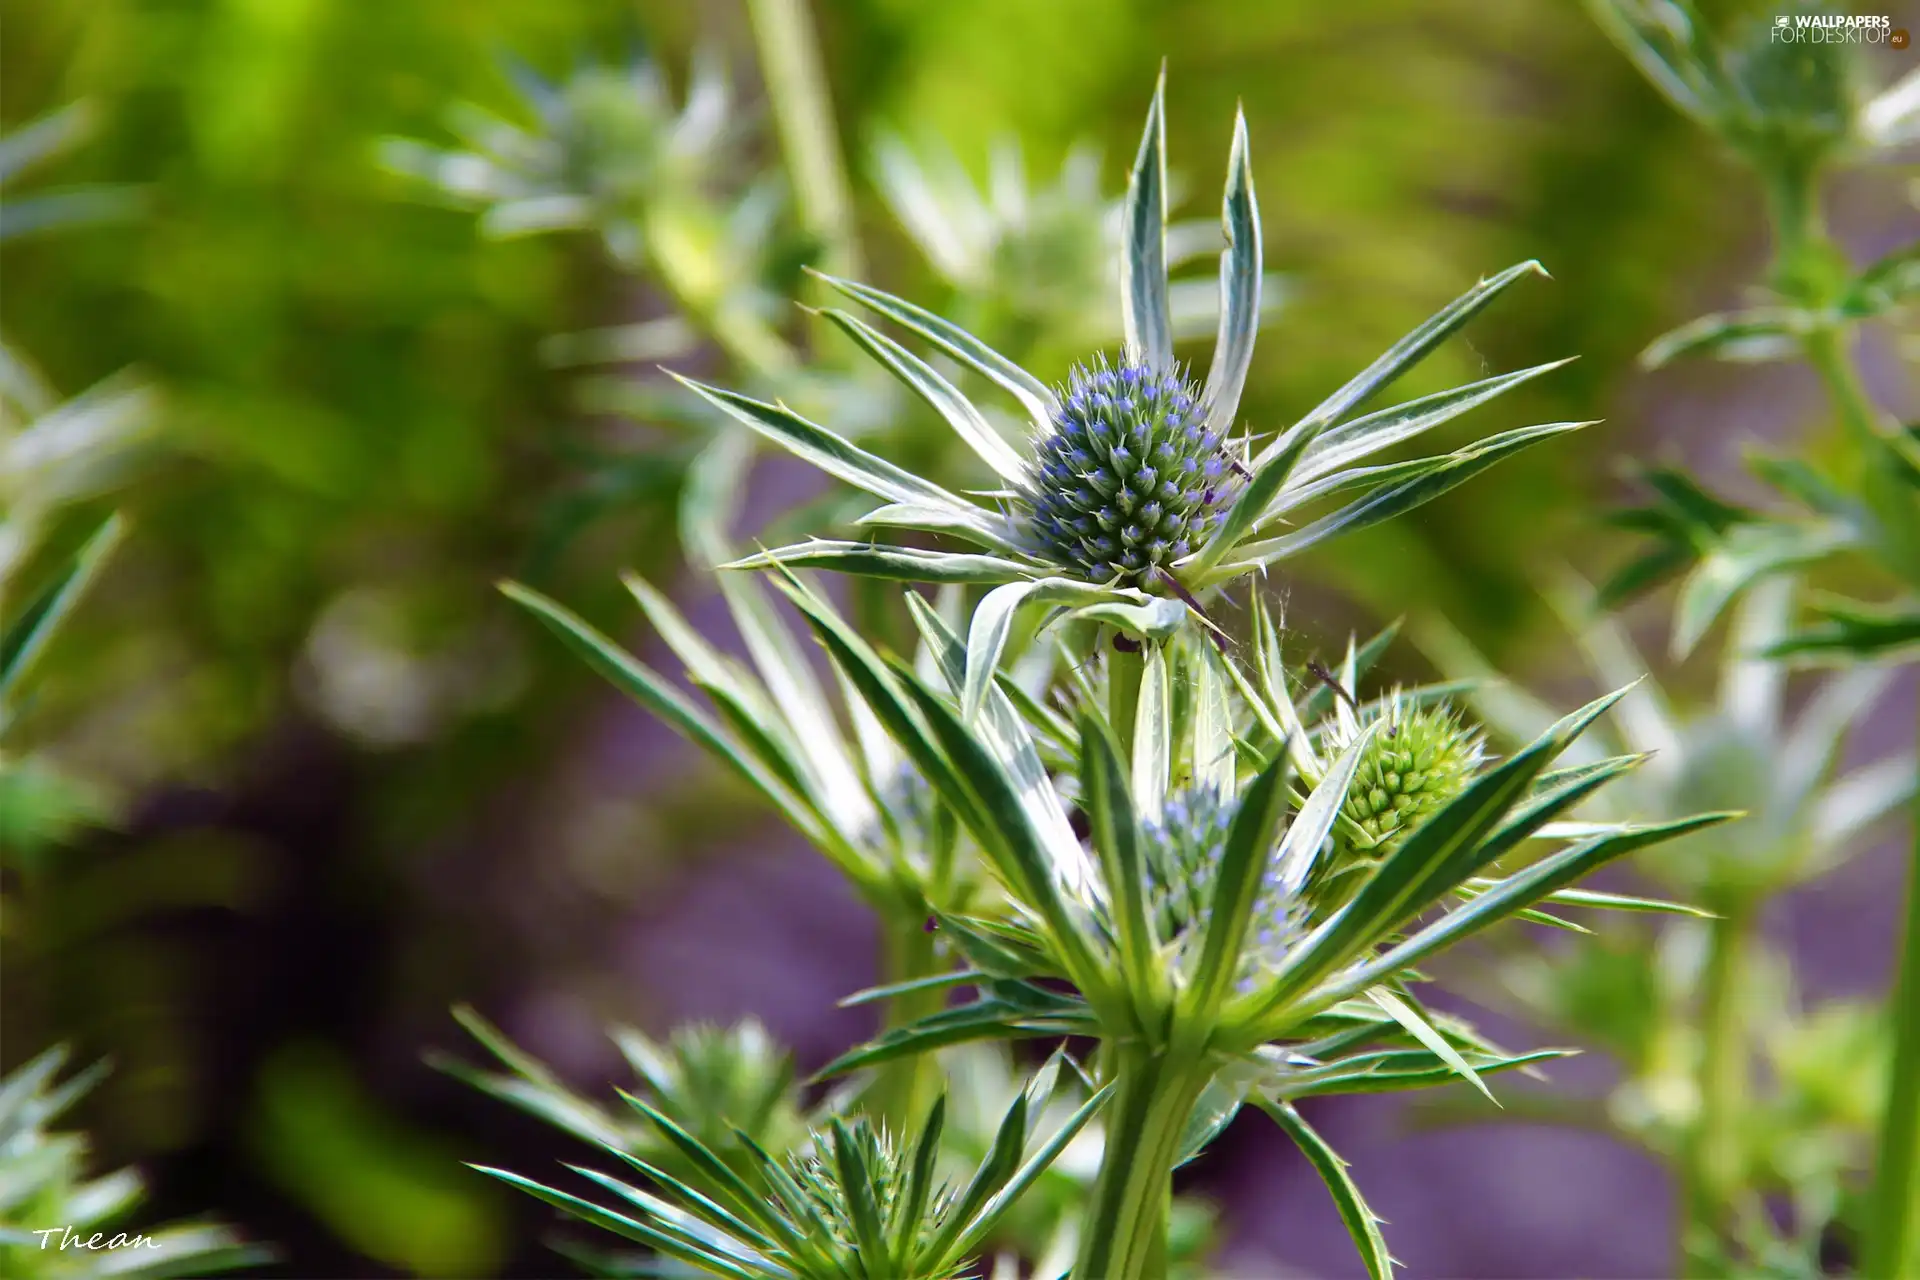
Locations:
1893 1227
1125 670
1124 1236
1826 350
803 113
903 1088
1793 207
1709 1172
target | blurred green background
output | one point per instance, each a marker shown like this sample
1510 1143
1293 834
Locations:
350 788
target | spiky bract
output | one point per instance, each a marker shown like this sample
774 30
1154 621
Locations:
880 1160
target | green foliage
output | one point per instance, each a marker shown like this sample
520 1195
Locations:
727 1086
59 1222
1683 1025
853 1200
387 1189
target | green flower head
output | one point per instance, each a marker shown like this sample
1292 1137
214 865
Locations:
1423 758
1417 759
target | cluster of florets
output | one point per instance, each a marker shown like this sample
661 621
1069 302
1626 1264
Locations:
1422 757
1184 848
1130 479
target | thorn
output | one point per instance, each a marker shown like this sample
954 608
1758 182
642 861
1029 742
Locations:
1213 629
1326 677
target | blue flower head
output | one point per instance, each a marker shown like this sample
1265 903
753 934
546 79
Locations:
1128 453
1184 848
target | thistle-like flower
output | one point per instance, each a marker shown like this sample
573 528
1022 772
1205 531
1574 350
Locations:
854 1199
1186 850
1132 488
1424 757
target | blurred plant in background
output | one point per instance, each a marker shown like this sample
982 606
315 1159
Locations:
56 459
54 456
668 192
1032 265
1792 111
1688 1012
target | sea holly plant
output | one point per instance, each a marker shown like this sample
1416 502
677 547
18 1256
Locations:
1221 873
1259 876
1135 494
1186 936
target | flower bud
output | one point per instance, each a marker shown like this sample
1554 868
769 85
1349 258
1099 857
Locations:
1418 761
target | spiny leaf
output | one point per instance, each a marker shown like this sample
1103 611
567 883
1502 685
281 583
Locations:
900 564
1239 287
1143 264
1362 1223
1403 355
1032 393
844 460
943 396
22 640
